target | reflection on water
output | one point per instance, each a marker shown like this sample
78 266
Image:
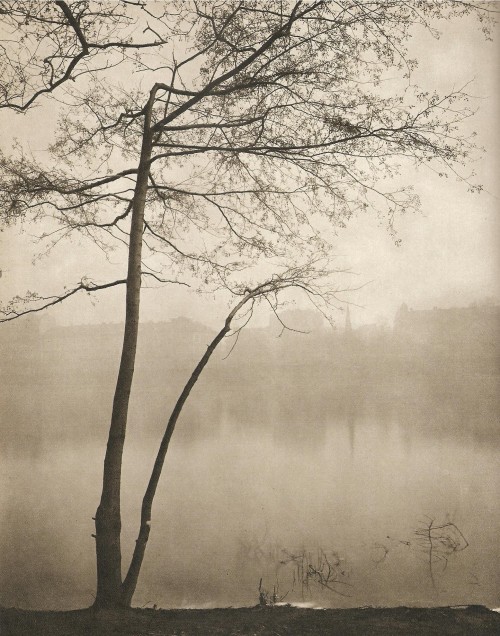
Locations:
334 484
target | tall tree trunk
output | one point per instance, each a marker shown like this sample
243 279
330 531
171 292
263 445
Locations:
108 515
108 518
131 579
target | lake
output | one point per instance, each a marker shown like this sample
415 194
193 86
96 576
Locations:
342 494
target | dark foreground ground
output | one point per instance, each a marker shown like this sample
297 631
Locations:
275 621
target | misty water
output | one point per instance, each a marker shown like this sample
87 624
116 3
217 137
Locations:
322 487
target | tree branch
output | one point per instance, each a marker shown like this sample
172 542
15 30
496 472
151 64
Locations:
11 313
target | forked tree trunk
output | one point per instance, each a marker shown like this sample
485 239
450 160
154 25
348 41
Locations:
110 591
108 515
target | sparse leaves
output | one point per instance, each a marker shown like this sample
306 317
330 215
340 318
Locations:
270 127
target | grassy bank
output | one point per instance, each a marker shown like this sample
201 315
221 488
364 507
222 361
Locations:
276 621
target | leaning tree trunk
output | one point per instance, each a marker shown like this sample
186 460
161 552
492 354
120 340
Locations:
108 515
130 582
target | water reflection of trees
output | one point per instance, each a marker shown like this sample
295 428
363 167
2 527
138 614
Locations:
295 387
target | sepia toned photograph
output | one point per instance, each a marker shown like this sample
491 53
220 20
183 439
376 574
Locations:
249 317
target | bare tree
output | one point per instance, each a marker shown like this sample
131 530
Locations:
439 542
203 138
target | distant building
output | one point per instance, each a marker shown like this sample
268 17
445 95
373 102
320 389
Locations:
461 330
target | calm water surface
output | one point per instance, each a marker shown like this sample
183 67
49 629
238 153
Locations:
327 505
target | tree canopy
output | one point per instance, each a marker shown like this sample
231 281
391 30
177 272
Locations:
270 124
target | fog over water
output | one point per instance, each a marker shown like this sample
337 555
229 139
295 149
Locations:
326 464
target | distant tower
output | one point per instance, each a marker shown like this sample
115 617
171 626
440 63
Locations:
348 326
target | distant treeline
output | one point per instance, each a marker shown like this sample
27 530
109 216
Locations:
438 366
461 340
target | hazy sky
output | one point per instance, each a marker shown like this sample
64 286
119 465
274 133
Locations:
449 253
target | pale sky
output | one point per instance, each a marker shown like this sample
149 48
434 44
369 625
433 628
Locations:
449 254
